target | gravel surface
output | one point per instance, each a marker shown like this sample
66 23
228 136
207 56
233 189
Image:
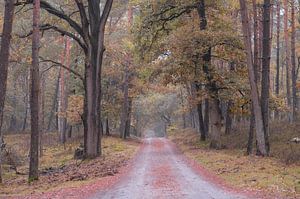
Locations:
161 172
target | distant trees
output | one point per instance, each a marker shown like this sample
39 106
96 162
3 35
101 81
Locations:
194 57
200 59
4 57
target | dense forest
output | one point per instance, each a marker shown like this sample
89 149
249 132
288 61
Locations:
90 80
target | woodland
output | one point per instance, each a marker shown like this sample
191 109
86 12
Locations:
82 82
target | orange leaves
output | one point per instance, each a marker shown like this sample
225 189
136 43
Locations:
75 109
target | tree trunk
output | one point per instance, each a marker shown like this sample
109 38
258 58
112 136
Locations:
254 91
93 70
215 124
62 123
255 39
277 54
124 115
107 133
183 111
215 112
287 53
196 87
26 102
228 120
201 123
206 116
34 100
70 131
42 113
128 121
4 57
251 132
54 103
265 83
293 62
13 120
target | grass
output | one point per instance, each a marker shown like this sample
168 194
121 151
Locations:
58 168
270 175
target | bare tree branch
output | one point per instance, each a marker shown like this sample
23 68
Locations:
60 14
63 66
45 27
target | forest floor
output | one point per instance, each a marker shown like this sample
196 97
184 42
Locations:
277 176
60 174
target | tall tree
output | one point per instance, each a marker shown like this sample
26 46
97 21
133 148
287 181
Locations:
293 61
256 64
278 50
260 136
214 105
265 80
34 99
62 123
90 37
4 57
127 102
287 53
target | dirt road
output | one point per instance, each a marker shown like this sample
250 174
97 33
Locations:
160 172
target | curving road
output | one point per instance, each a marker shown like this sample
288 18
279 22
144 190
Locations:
160 173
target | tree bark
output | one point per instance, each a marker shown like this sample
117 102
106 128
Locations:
254 91
93 70
107 133
125 111
34 100
26 101
62 123
287 53
128 121
202 130
4 57
277 53
265 83
54 103
255 39
228 120
42 113
293 62
215 112
206 116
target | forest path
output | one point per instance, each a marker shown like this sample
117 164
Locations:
160 172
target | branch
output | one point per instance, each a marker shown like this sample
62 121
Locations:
84 18
63 66
106 12
60 14
45 27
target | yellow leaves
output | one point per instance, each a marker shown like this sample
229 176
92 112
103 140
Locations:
75 109
128 44
298 85
278 103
